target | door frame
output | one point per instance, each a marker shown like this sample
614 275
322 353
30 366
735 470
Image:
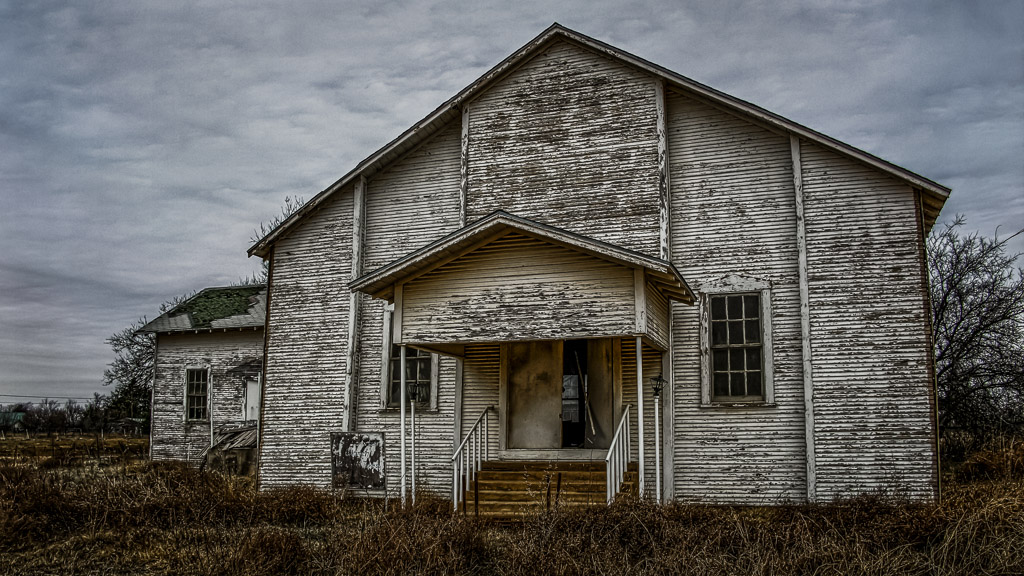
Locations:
506 453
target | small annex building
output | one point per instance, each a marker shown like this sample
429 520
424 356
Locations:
207 372
525 266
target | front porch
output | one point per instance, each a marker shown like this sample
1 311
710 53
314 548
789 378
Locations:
556 336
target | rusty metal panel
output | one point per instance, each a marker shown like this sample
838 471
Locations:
733 212
871 382
569 139
357 460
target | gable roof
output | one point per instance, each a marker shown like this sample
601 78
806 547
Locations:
223 308
934 195
380 282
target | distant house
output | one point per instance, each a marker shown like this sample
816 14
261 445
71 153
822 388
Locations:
12 421
209 358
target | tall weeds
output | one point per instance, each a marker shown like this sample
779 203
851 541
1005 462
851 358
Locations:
171 519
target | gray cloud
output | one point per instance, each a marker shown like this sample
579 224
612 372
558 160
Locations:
144 142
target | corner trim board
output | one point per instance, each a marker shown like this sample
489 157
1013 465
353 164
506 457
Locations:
805 318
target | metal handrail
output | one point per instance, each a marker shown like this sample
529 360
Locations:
469 456
618 457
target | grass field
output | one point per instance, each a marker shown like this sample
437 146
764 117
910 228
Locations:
142 518
71 450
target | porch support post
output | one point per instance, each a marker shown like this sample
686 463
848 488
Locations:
401 426
657 451
412 407
640 412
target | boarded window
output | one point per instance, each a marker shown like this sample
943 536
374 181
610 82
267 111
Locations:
737 367
197 385
357 459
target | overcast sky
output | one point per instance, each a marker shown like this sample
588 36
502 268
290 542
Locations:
141 143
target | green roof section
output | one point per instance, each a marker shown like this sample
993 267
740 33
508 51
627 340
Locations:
224 308
210 305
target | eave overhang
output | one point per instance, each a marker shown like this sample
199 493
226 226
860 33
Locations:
381 282
935 194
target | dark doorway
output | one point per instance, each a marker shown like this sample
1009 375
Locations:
574 393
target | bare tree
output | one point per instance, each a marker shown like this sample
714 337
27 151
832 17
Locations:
290 206
131 372
978 323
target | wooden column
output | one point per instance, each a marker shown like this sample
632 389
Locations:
640 413
401 425
464 168
805 316
664 181
351 348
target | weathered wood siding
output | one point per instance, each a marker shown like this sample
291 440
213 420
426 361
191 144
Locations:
569 139
519 288
410 204
652 367
480 389
870 361
230 356
414 201
733 212
303 398
657 316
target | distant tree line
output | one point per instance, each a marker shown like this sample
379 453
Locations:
100 414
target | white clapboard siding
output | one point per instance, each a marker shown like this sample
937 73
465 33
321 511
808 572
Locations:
871 387
222 353
480 375
657 316
569 139
303 400
652 367
519 288
733 213
413 202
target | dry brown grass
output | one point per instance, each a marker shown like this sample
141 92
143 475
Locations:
170 519
66 450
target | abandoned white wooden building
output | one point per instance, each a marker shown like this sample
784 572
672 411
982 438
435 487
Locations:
572 227
207 367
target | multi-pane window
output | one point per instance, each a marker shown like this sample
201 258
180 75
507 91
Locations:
737 364
197 387
418 374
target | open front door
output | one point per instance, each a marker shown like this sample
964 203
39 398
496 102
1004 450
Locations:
535 395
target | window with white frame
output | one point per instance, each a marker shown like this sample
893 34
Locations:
421 370
419 374
197 390
736 343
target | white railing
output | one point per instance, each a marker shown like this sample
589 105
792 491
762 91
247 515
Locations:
467 459
618 457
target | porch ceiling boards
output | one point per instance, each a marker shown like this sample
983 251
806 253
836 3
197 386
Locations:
507 278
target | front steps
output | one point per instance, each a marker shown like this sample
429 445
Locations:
506 490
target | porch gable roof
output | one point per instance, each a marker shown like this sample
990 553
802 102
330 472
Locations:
381 282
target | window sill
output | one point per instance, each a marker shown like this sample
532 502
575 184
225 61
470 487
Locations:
419 410
728 405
